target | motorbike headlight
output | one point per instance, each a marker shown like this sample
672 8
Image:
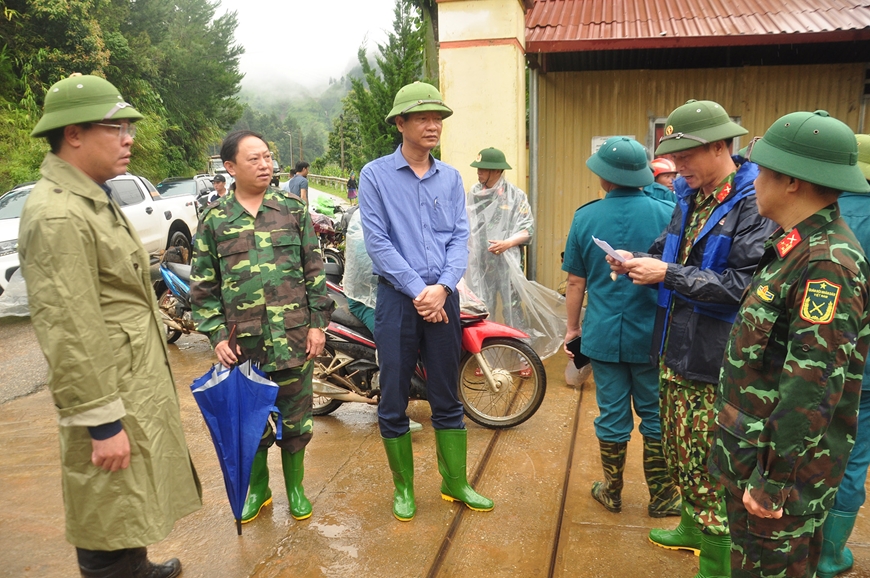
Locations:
8 247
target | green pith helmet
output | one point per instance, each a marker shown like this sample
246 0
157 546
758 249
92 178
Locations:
491 159
622 161
813 147
864 154
696 123
417 97
80 99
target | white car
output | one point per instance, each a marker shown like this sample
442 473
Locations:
160 222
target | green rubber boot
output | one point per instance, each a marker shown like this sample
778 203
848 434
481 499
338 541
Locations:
401 457
259 494
686 536
664 499
836 558
452 448
294 471
715 557
609 492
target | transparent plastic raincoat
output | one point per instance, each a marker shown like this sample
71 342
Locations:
360 285
497 214
358 282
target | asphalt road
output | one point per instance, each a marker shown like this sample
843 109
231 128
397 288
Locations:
22 366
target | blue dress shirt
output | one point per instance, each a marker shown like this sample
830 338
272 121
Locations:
415 229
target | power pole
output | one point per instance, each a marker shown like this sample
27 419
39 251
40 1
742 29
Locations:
301 156
341 137
289 134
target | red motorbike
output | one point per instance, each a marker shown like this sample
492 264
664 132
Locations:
501 379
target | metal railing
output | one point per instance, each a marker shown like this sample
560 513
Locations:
334 182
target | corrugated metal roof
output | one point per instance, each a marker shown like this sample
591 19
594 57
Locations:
579 25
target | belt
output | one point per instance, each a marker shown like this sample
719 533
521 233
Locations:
384 281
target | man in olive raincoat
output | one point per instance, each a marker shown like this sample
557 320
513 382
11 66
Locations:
127 474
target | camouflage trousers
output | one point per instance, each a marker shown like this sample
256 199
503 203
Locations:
294 402
787 547
688 431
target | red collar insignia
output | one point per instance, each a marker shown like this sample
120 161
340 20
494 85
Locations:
788 243
726 190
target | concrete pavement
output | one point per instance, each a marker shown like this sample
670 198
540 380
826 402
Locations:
539 475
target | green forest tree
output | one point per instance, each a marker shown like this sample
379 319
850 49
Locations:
171 59
399 62
429 16
345 135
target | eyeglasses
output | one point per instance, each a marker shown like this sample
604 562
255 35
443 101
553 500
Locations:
123 129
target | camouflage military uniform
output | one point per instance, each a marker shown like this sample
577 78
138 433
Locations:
264 275
687 405
789 391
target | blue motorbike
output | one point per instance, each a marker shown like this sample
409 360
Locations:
173 294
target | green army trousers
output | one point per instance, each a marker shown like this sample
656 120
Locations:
294 404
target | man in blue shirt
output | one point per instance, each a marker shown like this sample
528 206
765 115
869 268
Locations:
416 231
619 320
298 184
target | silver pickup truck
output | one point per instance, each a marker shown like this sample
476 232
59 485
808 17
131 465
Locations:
161 223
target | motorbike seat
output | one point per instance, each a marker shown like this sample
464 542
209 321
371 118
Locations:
343 316
183 271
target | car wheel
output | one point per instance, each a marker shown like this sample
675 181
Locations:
180 239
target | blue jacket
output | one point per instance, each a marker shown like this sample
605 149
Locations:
706 291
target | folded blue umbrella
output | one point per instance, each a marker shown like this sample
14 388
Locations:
235 405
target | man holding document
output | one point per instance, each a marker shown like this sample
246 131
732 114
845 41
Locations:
619 319
702 264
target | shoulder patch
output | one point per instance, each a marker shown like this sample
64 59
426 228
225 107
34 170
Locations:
820 301
723 194
788 243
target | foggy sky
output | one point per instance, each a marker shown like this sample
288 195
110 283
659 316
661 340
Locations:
304 42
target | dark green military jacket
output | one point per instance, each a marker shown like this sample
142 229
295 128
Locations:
263 274
791 380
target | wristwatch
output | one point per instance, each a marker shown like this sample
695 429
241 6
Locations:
448 289
322 329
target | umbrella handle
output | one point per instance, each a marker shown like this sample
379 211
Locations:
234 345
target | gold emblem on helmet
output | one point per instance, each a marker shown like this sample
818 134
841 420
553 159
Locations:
669 130
479 158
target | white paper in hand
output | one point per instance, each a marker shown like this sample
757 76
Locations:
605 246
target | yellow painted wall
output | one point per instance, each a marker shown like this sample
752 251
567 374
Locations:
483 79
480 19
576 106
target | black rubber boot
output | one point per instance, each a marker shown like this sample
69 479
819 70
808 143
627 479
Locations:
99 564
143 568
